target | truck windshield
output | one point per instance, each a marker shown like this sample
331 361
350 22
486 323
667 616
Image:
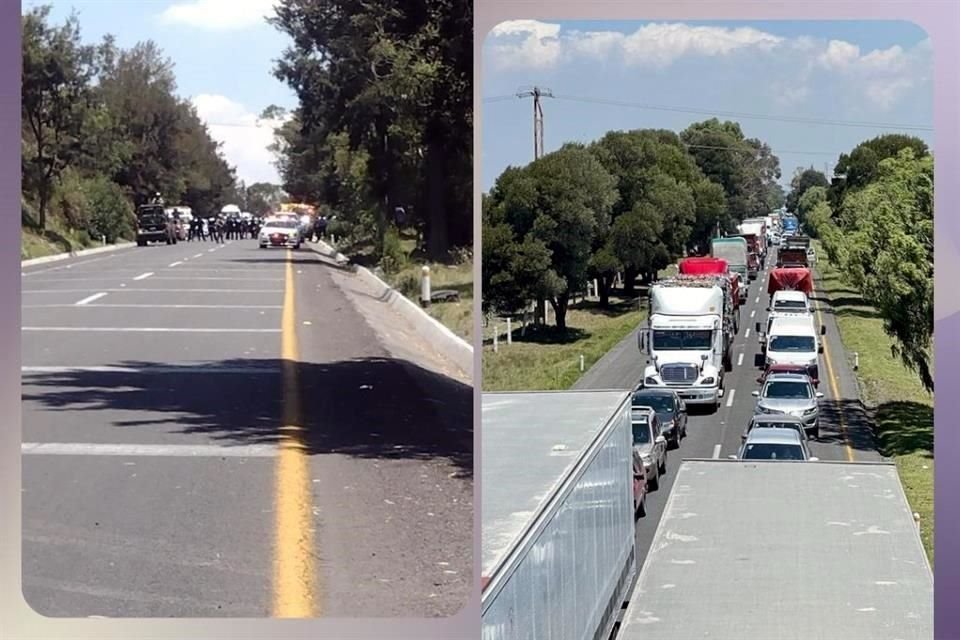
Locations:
641 432
682 339
789 305
152 218
769 451
791 343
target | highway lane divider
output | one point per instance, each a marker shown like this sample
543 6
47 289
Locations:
294 578
76 254
834 387
455 348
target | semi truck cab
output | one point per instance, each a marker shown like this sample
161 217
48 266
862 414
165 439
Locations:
686 356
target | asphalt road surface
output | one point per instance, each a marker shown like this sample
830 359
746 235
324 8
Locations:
844 430
218 430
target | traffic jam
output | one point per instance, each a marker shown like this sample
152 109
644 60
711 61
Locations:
693 320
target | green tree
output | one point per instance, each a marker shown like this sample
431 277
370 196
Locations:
887 233
396 81
563 200
810 199
55 94
861 166
802 180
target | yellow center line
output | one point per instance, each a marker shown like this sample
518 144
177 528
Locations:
834 387
293 571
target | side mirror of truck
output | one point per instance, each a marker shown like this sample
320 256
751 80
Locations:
823 330
759 328
820 349
732 457
660 440
755 393
704 357
819 394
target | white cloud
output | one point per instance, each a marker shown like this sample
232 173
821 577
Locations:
659 45
839 55
881 76
219 15
525 44
245 137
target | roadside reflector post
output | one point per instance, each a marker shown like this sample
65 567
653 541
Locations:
103 239
425 287
496 340
856 360
581 363
509 331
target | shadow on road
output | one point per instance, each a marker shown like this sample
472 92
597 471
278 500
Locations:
370 408
856 428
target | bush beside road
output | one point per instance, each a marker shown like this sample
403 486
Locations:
901 409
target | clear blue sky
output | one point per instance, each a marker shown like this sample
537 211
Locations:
860 71
223 52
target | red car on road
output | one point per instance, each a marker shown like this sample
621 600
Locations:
639 486
811 372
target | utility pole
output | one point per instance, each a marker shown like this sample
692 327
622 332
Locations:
536 93
540 314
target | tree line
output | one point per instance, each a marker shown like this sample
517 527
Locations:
104 131
382 135
631 202
875 222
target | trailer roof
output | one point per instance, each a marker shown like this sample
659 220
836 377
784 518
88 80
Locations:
529 442
786 550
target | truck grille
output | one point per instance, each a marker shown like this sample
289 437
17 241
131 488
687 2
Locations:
679 373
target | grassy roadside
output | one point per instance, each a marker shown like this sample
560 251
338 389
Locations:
36 244
545 359
457 275
902 410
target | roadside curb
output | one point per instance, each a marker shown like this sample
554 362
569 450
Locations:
441 337
75 254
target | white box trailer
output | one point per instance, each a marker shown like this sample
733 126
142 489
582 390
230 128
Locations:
557 511
762 550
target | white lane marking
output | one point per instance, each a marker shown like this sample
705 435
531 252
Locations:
746 333
733 392
150 329
154 450
199 255
740 360
757 299
716 451
211 250
89 299
193 367
155 306
143 276
752 313
178 262
237 279
182 290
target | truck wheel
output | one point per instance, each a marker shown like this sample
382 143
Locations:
663 466
728 363
141 243
642 509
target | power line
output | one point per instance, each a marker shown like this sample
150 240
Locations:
753 150
736 114
512 96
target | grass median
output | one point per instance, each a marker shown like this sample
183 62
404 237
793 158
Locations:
453 275
902 410
545 358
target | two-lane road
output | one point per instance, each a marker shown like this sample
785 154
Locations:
844 433
219 430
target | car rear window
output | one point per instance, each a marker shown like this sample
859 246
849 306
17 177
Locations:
770 451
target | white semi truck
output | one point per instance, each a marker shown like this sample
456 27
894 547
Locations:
558 528
764 549
689 337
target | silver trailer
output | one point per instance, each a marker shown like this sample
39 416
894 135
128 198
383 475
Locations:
786 550
558 516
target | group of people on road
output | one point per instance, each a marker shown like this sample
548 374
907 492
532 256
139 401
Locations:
220 228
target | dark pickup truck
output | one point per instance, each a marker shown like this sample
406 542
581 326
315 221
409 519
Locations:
153 225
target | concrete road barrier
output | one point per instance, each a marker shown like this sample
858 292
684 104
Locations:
458 350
